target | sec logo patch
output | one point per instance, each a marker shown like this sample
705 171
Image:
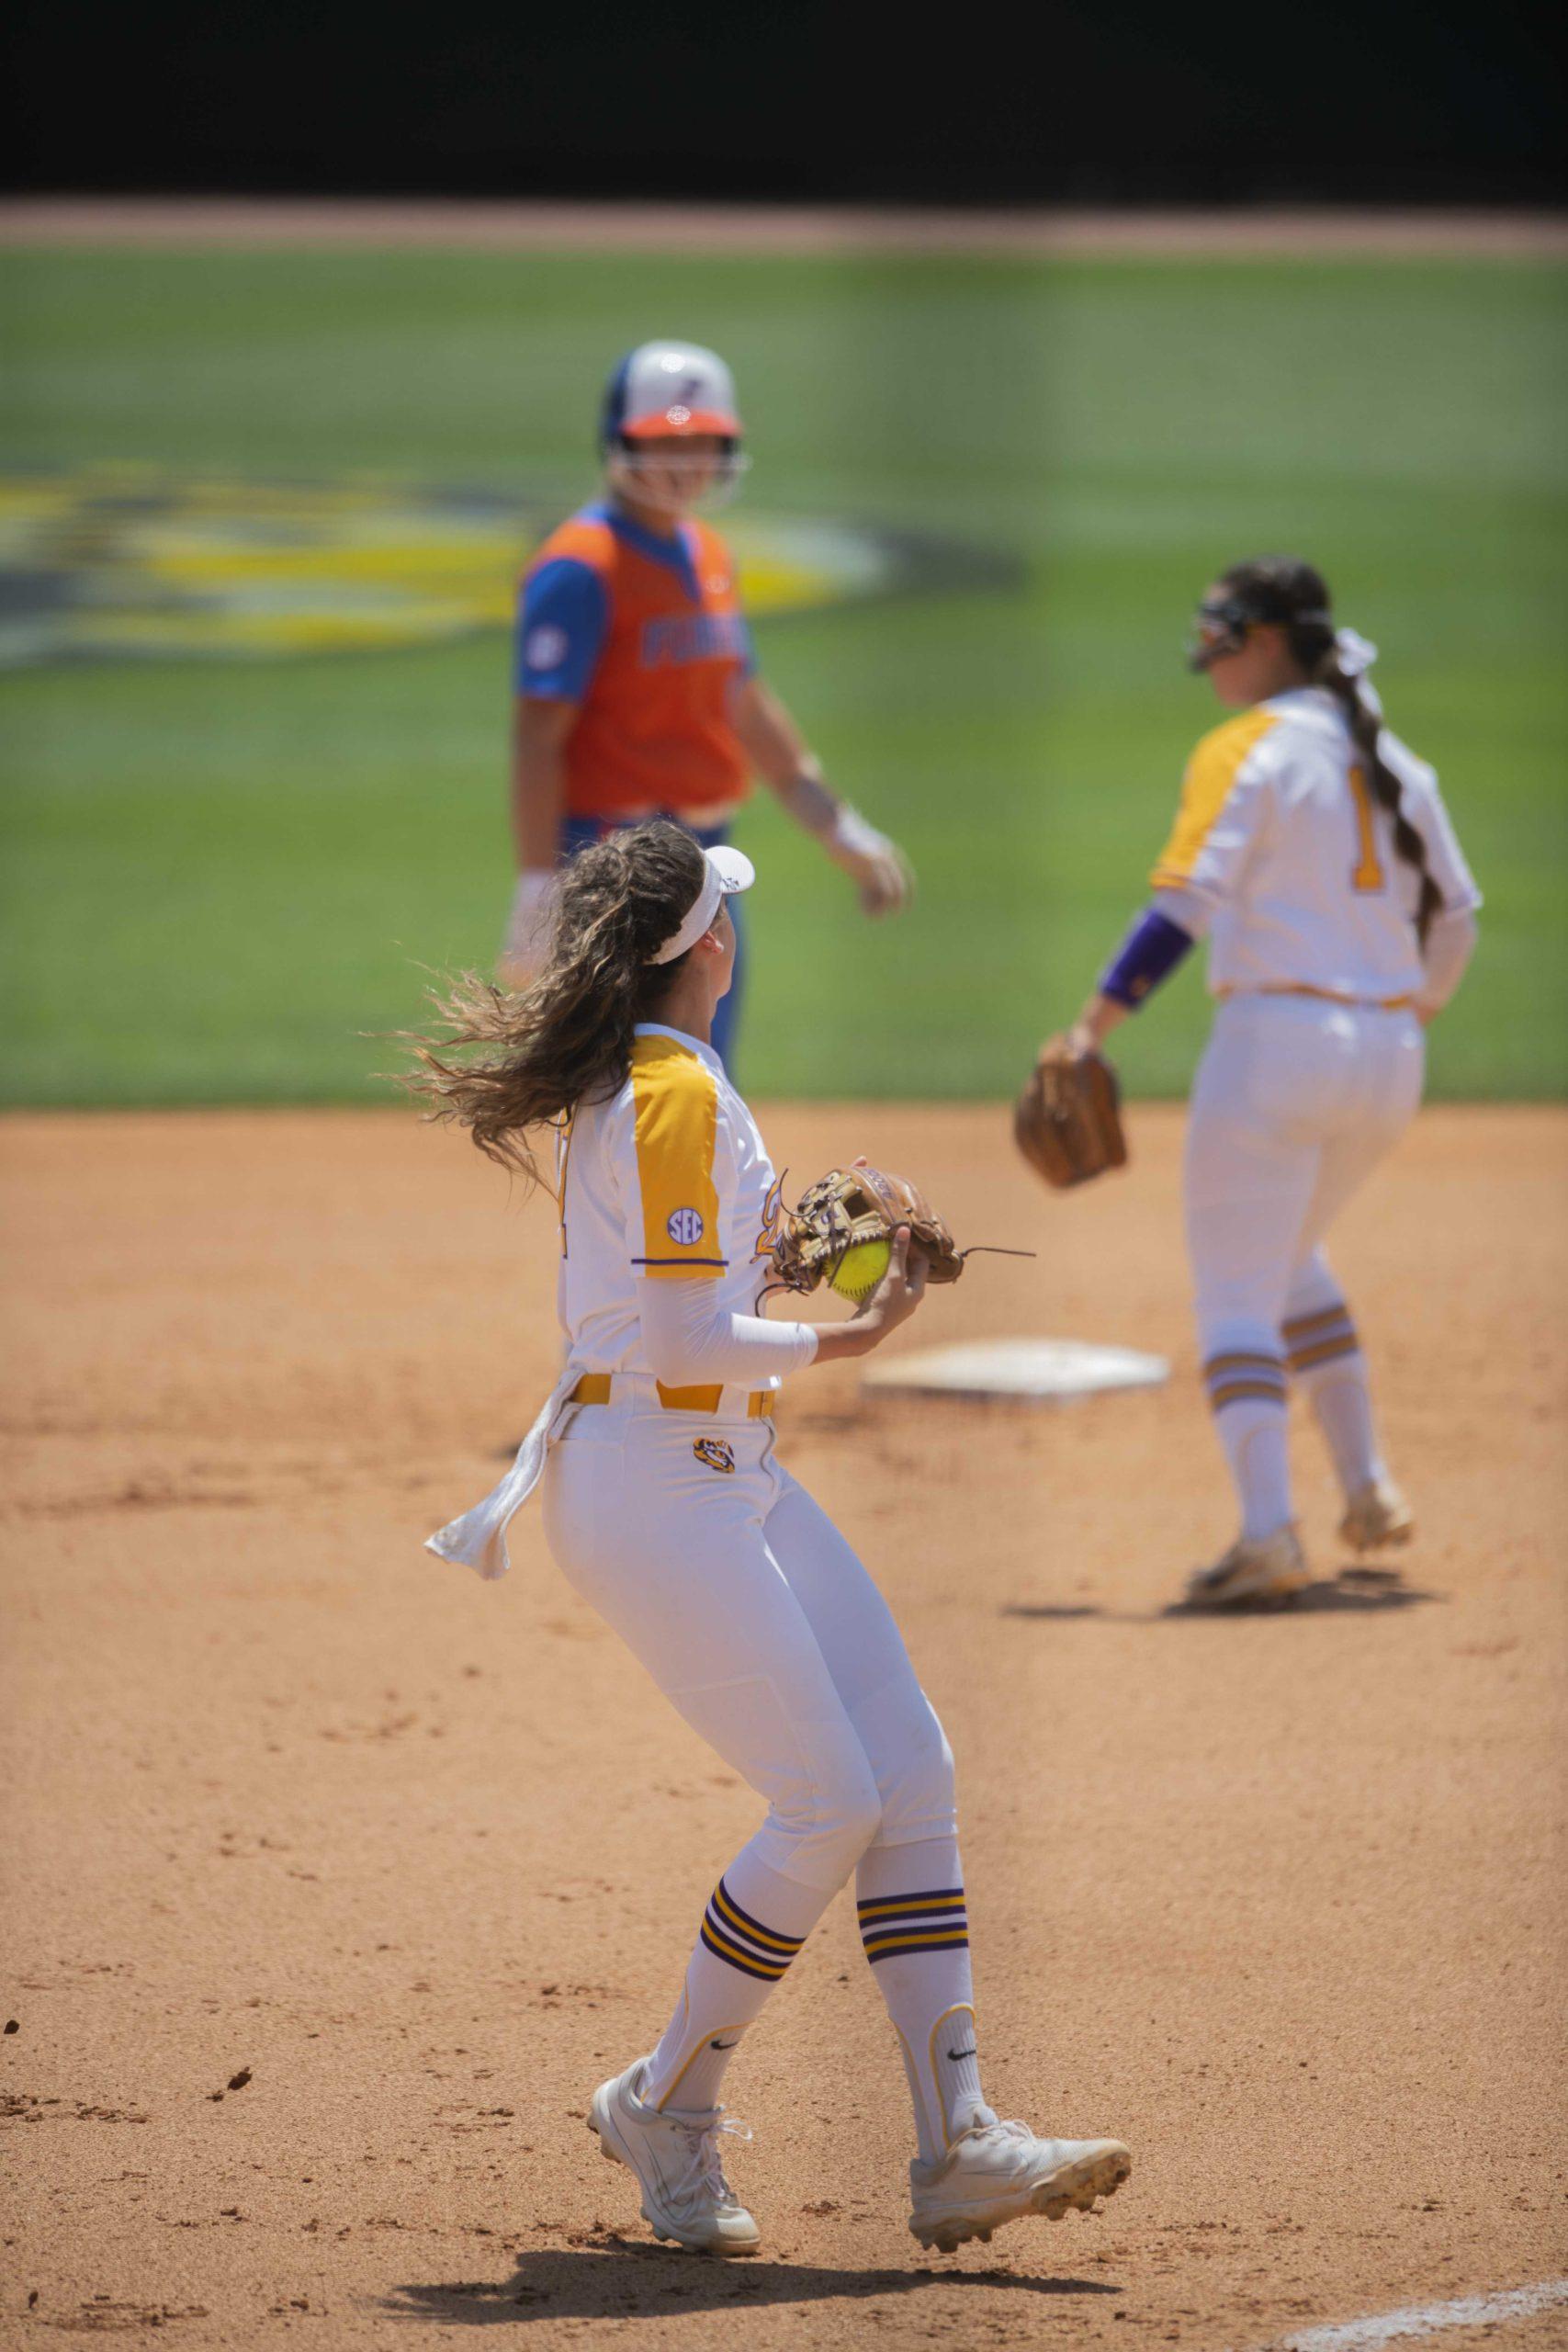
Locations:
716 1452
546 647
685 1227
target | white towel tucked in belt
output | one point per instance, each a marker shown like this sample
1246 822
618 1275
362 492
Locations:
479 1538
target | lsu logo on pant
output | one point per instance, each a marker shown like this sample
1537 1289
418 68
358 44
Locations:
716 1452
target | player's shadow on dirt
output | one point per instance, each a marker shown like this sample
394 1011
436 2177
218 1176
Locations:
1056 1612
1357 1592
622 2280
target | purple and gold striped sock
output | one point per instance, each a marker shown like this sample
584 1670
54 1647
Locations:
914 1926
1325 1356
1249 1398
754 1924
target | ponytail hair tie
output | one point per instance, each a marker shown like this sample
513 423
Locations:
1356 653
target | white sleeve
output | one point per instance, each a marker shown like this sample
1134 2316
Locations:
1226 808
687 1340
1445 858
1185 908
1238 828
1450 943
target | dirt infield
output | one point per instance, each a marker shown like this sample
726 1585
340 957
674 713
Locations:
1240 233
337 1879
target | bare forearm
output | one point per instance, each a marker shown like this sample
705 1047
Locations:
808 799
774 744
835 1340
779 753
1098 1017
785 761
539 789
539 732
794 776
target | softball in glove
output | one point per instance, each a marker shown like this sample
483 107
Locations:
851 1205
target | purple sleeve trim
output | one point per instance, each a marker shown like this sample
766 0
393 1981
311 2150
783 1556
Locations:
1150 953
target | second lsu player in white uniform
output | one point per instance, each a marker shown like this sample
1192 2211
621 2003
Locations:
1313 848
668 1511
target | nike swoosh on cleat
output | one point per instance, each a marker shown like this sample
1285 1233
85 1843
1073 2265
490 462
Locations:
726 2045
956 2055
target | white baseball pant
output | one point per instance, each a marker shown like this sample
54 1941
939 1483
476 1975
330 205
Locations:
758 1622
1295 1102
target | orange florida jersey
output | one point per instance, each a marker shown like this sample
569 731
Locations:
645 634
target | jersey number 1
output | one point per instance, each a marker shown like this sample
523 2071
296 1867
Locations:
1367 873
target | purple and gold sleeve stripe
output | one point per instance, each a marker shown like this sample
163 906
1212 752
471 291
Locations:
1311 1339
933 1919
733 1936
1240 1375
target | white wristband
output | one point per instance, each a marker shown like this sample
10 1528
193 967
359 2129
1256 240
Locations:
849 832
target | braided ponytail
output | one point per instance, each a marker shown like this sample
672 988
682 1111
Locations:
526 1060
1366 733
1285 590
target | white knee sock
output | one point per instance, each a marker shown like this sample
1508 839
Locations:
915 1929
755 1923
1247 1390
1325 1359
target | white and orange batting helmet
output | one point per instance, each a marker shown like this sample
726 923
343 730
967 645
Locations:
664 393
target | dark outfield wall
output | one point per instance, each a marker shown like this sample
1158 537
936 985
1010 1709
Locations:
1335 99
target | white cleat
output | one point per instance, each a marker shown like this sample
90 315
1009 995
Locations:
1376 1514
1269 1568
998 2171
675 2157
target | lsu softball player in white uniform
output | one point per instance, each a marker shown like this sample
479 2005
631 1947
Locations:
668 1510
1312 849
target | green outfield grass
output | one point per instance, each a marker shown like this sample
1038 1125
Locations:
217 877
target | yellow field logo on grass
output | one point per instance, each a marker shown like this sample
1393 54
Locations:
122 561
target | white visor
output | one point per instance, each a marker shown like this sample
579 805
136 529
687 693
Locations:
728 870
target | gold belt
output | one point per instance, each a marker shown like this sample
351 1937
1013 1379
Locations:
594 1389
1325 996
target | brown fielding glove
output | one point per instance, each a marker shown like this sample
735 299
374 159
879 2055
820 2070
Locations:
853 1205
1068 1121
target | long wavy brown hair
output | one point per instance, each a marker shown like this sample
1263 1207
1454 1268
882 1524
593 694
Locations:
504 1063
1283 588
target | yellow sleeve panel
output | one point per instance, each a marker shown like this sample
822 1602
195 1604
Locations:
675 1101
1205 787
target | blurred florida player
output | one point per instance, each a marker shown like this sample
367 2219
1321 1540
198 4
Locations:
637 686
